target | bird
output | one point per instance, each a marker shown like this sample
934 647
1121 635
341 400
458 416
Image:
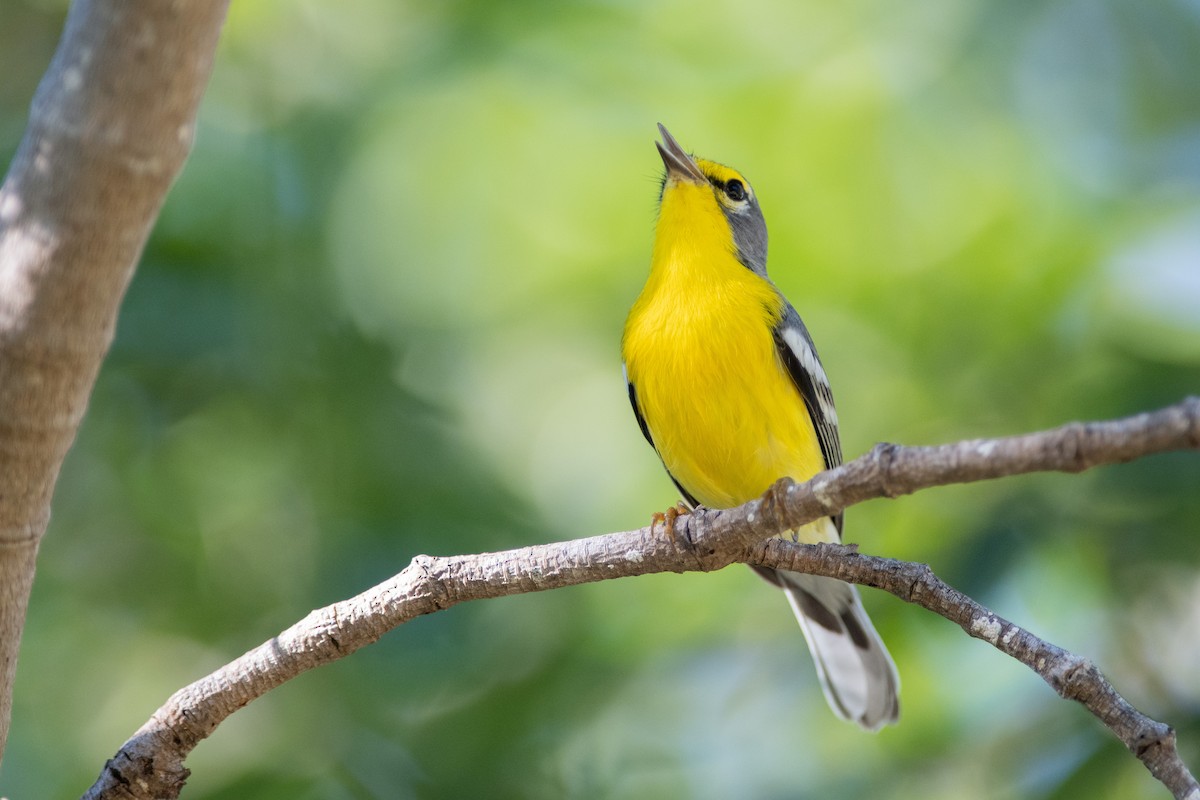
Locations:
727 387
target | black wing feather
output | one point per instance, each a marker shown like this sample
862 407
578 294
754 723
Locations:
637 412
812 384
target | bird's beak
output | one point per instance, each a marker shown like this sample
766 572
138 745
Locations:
679 164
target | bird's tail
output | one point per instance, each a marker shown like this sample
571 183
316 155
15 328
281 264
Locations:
856 671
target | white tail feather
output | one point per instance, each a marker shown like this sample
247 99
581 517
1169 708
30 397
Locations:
856 671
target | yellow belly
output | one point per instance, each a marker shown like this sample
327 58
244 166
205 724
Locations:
723 412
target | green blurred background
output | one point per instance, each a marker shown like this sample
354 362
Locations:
380 316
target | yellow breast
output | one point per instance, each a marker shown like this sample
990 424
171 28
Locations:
723 413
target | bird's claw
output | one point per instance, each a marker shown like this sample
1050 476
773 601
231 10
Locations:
667 518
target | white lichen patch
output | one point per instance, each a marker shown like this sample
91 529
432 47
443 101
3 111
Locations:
633 556
820 490
984 449
10 206
987 629
72 79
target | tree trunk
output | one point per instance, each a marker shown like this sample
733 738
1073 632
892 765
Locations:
110 127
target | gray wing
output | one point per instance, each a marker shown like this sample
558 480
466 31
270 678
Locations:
799 357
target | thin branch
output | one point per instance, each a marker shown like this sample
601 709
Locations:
890 470
150 764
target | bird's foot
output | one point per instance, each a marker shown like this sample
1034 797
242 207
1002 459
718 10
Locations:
667 518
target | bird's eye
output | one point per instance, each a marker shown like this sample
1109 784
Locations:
736 190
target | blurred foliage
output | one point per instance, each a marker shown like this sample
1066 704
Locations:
380 314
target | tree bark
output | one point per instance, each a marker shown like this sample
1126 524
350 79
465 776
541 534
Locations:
110 127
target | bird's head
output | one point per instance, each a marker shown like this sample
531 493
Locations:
705 205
